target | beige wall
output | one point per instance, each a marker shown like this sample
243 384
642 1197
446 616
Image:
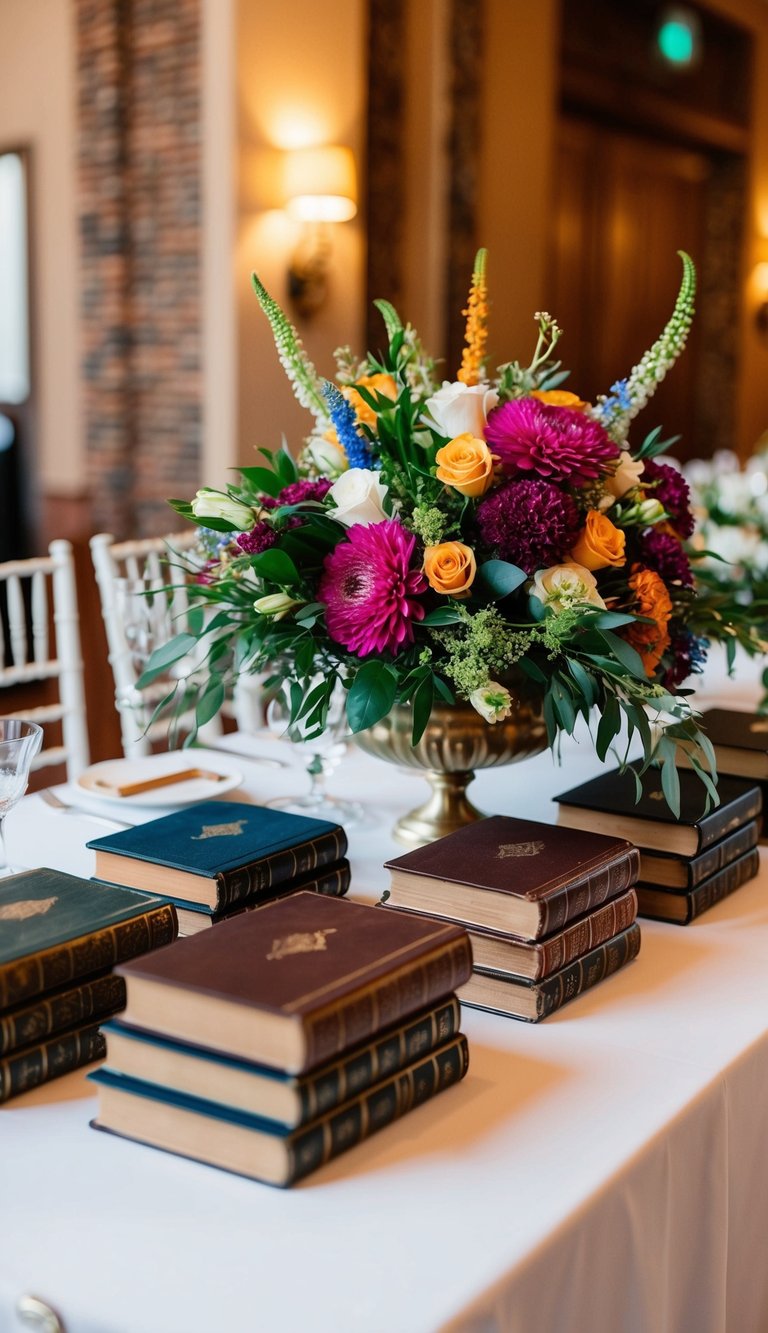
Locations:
300 80
37 107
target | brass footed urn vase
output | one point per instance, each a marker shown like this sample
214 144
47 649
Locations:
456 742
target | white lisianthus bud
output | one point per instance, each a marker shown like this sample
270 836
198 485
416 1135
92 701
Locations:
650 511
216 504
358 496
461 409
492 701
327 455
275 604
563 586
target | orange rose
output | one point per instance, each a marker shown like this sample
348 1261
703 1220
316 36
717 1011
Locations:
381 384
653 601
560 398
600 544
450 568
466 464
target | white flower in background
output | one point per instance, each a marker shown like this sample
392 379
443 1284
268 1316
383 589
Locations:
563 586
461 409
492 701
327 455
358 495
215 504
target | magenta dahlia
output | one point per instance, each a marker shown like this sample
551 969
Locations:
554 442
370 590
531 523
672 491
662 552
259 539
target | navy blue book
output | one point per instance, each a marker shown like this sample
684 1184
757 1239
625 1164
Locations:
219 853
235 1140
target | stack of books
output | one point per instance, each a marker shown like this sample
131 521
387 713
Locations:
279 1040
687 864
218 859
550 913
740 741
60 937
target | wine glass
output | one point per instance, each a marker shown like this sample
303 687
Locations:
142 608
19 743
323 754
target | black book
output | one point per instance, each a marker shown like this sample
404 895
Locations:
680 908
682 872
740 741
608 804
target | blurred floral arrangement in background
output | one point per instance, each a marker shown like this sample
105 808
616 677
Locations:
439 540
731 508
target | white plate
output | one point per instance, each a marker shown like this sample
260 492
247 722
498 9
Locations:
188 792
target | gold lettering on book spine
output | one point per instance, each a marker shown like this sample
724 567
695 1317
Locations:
759 726
519 849
300 942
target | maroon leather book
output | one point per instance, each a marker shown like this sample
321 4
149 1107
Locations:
514 875
297 982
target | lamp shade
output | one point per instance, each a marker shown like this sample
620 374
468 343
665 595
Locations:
320 184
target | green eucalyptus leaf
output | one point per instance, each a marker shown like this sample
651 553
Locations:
210 701
500 577
422 707
443 615
670 785
371 695
165 656
608 727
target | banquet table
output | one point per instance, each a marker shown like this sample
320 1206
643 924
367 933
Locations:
604 1170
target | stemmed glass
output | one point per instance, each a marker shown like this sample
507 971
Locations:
19 743
323 754
142 607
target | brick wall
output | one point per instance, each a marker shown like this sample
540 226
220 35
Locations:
139 172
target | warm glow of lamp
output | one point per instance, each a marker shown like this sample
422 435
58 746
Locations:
320 188
320 184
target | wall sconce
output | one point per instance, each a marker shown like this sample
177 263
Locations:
320 189
760 284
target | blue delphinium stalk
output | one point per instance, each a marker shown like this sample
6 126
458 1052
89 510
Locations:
354 444
628 397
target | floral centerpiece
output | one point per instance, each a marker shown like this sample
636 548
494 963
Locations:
444 540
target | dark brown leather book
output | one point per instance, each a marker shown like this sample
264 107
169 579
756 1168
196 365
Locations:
681 872
533 1001
333 880
608 805
289 1099
513 875
532 960
740 741
680 908
297 982
49 1059
233 1140
60 1011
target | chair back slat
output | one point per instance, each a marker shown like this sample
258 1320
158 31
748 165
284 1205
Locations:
17 619
39 607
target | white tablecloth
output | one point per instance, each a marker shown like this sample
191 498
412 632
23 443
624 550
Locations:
604 1170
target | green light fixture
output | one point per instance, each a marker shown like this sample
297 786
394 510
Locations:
678 37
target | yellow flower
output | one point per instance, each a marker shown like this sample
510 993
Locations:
560 398
476 332
600 544
466 464
450 568
381 384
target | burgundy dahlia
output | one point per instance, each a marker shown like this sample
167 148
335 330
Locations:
370 590
672 491
259 539
533 524
554 442
299 491
662 552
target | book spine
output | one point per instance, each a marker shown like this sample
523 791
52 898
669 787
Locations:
379 1106
59 1055
725 818
380 1059
586 933
587 972
262 877
56 967
67 1009
387 1000
722 853
705 895
585 894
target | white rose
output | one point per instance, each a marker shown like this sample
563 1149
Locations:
461 409
628 472
215 504
328 456
492 701
563 586
358 496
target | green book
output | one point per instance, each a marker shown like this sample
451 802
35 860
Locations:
219 853
56 929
